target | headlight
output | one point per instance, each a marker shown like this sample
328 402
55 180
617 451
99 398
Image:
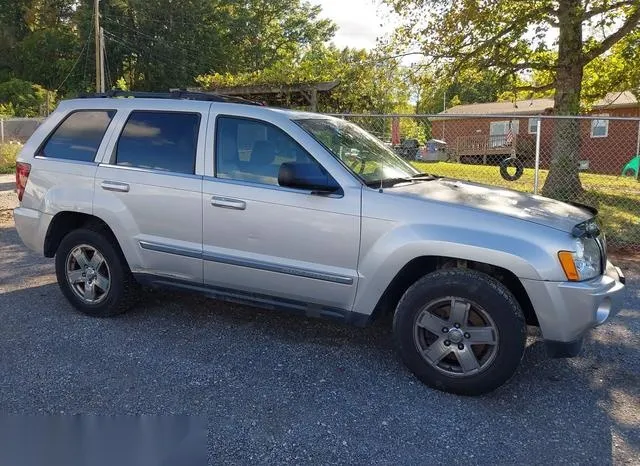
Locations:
584 262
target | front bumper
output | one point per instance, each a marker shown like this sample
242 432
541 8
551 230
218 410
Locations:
567 310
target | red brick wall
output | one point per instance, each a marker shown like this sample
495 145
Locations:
478 126
609 154
605 155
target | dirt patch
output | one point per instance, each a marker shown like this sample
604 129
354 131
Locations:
8 199
6 217
628 261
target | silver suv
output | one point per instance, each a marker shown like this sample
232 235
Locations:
308 213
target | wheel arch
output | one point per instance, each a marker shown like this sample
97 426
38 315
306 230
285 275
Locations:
420 266
66 221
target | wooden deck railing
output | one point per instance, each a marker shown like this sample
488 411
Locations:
484 145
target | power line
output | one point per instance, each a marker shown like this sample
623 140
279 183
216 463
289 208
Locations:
74 63
106 65
193 54
151 53
86 58
181 22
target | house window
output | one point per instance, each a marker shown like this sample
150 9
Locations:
600 128
501 133
533 125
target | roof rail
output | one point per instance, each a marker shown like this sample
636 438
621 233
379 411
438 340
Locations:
172 94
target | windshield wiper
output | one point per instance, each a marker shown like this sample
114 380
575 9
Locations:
422 176
387 182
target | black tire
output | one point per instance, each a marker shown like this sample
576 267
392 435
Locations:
511 162
475 287
123 290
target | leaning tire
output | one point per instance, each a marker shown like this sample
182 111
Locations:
460 331
511 162
629 172
93 274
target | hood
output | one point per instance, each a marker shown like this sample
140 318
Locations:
536 209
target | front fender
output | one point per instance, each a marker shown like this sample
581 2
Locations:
385 257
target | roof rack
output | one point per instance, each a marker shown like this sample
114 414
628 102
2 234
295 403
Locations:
172 94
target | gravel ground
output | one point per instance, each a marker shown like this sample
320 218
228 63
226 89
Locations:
276 388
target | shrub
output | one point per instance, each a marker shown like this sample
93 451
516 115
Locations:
8 154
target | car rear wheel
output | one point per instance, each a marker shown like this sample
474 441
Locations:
93 274
460 331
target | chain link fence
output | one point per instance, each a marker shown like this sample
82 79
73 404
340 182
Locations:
594 160
590 159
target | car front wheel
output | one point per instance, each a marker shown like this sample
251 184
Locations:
460 331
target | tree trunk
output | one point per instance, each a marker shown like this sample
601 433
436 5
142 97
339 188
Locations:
563 181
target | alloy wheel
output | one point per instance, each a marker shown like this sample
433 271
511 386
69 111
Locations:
456 336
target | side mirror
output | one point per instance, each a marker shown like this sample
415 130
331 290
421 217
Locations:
307 176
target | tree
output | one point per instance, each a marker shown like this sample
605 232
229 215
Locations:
25 99
512 37
366 83
151 44
436 89
618 70
38 41
155 45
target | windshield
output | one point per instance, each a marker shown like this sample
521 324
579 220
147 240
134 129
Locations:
365 155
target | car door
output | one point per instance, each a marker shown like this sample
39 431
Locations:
149 188
276 245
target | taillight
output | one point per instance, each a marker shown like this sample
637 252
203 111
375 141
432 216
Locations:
22 175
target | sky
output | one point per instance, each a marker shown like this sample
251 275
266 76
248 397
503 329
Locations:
359 21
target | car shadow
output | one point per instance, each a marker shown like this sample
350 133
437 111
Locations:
19 267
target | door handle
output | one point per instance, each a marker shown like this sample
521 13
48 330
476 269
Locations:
115 186
228 203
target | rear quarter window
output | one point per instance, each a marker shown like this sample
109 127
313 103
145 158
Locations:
165 141
79 135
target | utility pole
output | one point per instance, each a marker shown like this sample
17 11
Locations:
102 80
96 30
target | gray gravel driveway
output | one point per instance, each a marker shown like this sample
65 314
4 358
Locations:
277 388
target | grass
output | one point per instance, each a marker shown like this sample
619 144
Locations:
8 154
616 198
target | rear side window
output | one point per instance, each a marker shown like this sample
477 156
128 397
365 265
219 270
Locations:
79 135
159 141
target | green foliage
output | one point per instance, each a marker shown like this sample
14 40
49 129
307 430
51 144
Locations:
438 88
618 70
38 41
366 84
507 38
22 98
121 84
8 154
7 110
152 44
